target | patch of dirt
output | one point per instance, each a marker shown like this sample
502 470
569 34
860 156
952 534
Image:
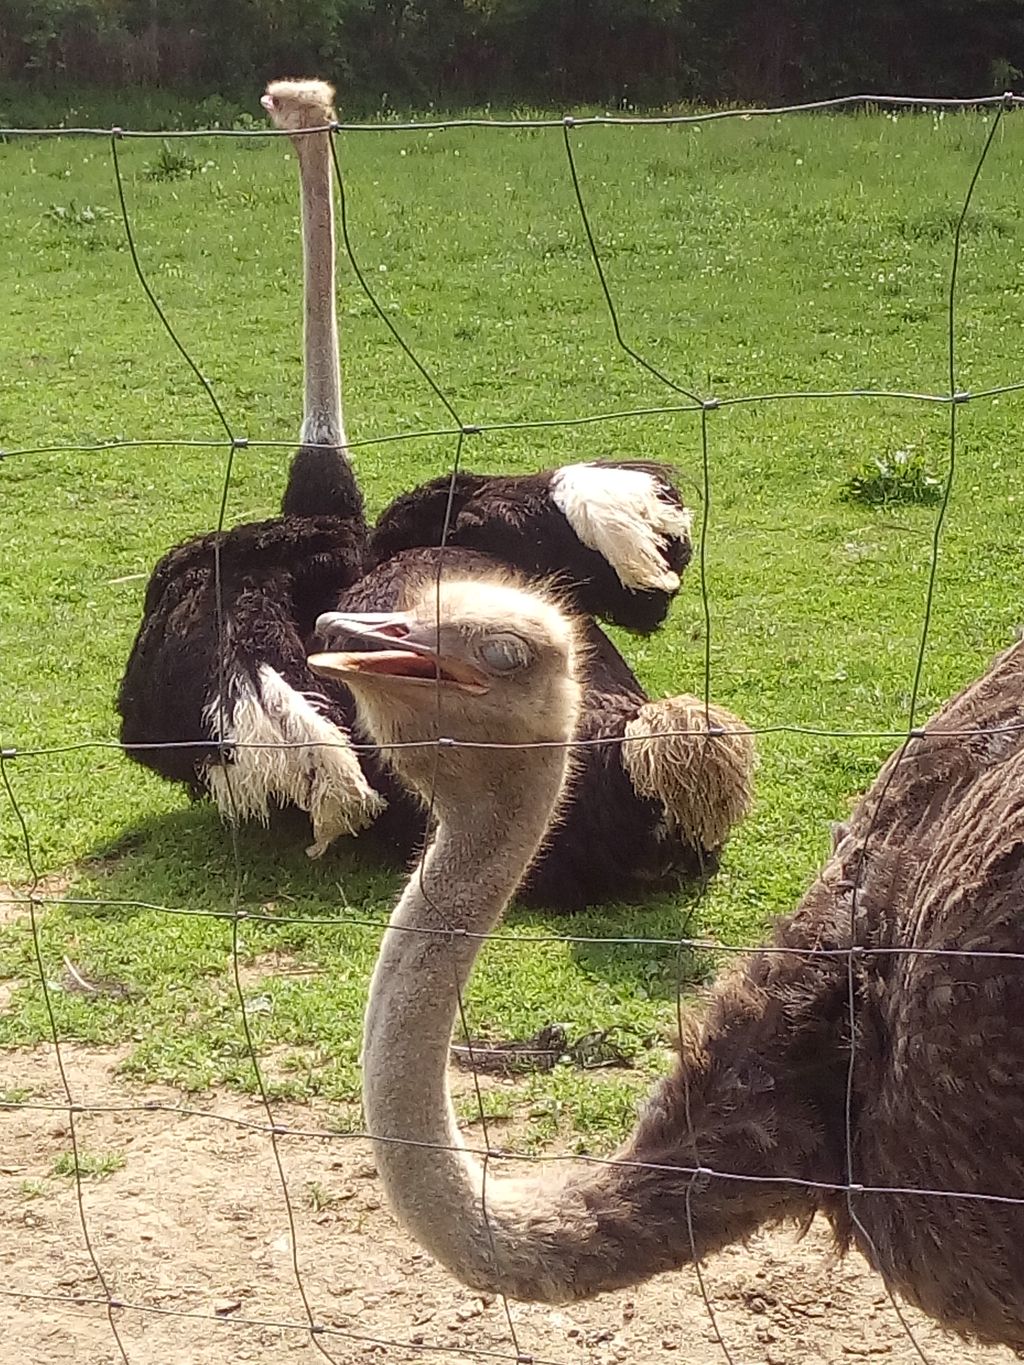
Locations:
275 964
13 896
194 1223
54 885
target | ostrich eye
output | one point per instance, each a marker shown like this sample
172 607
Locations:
504 653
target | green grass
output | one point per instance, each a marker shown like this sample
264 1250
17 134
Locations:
89 1165
746 256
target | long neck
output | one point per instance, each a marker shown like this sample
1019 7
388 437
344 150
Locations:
321 482
565 1234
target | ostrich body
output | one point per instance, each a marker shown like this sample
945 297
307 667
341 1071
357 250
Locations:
614 532
759 1090
644 816
239 685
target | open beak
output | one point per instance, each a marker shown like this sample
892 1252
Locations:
389 645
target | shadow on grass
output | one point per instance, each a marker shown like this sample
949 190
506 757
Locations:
189 857
174 989
647 959
186 858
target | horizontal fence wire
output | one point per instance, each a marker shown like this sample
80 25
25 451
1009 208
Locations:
1007 100
451 742
702 945
510 1155
36 898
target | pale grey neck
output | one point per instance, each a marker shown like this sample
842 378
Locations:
322 422
563 1233
433 1184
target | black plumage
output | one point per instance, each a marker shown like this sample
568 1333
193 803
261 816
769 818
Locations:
611 842
275 576
229 691
515 520
227 679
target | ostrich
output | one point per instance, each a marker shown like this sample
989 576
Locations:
643 816
932 860
238 682
614 534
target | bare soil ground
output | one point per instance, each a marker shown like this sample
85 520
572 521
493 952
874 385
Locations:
194 1223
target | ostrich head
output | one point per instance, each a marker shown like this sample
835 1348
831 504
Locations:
483 662
297 105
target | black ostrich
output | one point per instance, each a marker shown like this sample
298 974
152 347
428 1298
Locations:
643 815
615 533
613 536
239 685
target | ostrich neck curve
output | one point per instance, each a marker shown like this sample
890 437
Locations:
563 1234
468 875
552 1238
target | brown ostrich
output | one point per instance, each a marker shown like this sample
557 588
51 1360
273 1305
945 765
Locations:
758 1099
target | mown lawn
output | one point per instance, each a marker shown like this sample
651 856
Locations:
808 253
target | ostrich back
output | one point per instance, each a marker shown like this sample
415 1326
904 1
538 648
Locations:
932 861
515 519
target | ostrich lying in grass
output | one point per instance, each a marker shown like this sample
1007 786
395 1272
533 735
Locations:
237 681
758 1099
245 721
645 815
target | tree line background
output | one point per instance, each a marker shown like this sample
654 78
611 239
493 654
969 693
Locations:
456 52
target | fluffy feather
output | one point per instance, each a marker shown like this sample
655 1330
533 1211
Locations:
623 514
287 753
701 778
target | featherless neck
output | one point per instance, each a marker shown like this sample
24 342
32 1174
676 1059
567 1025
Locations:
322 424
320 481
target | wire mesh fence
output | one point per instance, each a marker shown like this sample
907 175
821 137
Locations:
282 1137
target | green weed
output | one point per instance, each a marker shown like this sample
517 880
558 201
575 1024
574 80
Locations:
175 162
889 480
90 1166
15 1095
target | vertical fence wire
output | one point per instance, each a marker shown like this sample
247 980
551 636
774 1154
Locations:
443 918
34 905
236 895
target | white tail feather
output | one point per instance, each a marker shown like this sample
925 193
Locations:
319 773
620 514
703 780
